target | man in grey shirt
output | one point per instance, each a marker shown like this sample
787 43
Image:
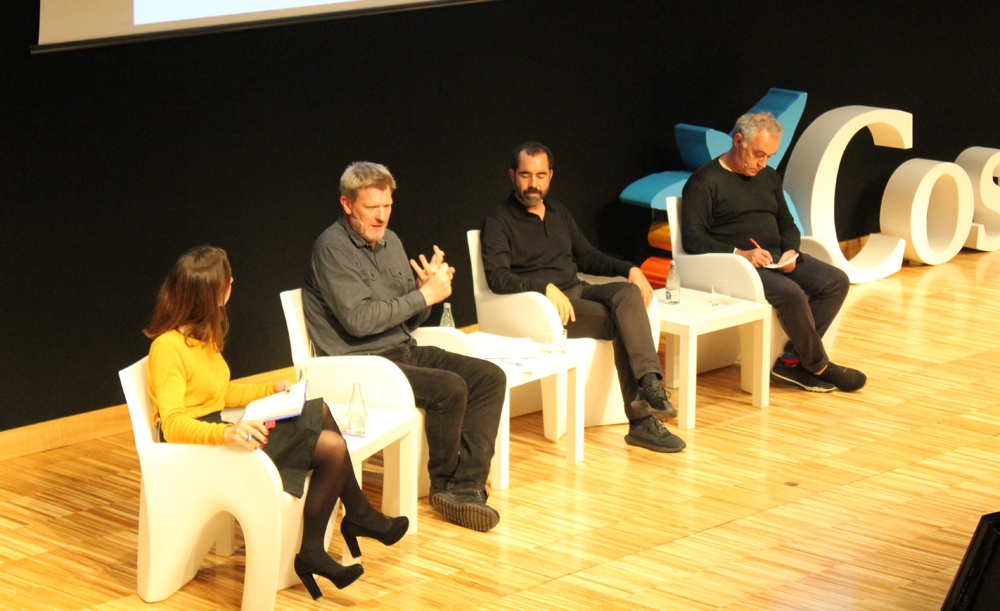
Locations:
363 296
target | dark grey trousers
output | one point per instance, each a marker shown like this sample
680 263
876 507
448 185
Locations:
806 301
615 311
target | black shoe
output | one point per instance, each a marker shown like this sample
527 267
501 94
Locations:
466 508
394 531
844 378
653 397
650 434
341 576
797 375
437 489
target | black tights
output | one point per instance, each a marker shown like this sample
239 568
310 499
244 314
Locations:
333 478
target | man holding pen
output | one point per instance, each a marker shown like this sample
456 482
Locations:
736 204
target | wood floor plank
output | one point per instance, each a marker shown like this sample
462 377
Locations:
862 500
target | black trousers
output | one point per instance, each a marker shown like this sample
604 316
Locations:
615 311
806 301
462 398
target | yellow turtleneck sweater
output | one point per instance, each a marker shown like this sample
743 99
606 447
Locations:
189 379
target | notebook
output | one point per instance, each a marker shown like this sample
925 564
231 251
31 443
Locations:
279 405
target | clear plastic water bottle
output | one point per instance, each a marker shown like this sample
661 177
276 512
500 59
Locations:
673 288
447 320
357 411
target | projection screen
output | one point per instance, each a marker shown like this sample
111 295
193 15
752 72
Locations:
73 24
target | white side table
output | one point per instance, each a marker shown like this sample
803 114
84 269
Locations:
694 316
562 391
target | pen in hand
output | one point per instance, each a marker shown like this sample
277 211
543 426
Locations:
769 260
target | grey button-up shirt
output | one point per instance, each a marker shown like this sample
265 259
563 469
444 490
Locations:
358 299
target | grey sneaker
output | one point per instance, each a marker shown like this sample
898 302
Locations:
650 434
799 376
466 508
655 399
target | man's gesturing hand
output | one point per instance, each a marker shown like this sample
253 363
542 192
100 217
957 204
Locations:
433 277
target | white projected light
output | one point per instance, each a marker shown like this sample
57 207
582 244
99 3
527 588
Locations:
160 11
73 24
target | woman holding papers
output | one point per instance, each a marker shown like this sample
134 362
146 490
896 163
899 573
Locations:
189 385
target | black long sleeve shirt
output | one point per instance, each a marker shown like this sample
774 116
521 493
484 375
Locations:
521 252
723 210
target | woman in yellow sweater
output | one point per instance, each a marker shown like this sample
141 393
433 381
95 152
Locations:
189 384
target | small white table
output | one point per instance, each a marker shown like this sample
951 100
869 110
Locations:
561 388
694 316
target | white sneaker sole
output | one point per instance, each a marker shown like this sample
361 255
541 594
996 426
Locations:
780 378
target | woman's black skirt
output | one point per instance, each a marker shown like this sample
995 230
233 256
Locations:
290 444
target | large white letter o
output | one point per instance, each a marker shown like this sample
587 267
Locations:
929 204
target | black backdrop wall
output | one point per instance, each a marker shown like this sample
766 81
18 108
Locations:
115 160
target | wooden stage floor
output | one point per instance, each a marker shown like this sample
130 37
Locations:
865 500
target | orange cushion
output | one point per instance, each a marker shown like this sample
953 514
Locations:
655 269
659 236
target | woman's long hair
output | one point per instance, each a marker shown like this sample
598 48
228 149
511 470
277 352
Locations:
192 297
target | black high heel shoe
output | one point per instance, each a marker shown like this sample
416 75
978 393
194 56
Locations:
352 530
341 576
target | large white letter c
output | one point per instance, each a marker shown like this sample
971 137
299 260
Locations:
811 181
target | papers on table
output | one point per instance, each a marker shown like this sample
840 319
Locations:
499 347
279 405
519 352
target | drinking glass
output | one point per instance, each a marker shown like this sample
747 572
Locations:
721 292
555 343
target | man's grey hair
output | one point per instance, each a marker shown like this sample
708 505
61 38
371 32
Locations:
363 174
752 124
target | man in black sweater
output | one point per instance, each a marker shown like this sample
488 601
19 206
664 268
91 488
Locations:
531 243
736 204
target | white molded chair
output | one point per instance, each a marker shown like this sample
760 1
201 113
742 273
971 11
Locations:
697 272
531 315
189 496
303 350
